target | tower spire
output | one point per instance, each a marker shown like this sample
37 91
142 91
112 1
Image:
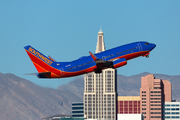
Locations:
100 29
100 42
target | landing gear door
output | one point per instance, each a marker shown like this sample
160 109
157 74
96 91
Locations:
139 46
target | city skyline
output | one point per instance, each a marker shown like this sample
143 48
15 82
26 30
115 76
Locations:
71 28
154 103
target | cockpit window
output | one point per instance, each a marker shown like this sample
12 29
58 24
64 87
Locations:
146 43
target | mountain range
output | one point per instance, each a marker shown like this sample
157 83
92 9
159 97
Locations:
21 99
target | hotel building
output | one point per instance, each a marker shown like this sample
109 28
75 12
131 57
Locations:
100 90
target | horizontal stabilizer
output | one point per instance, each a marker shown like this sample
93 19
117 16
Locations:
41 75
30 74
51 58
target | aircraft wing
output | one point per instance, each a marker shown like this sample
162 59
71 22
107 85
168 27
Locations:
102 64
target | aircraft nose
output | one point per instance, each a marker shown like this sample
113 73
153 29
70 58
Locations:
153 46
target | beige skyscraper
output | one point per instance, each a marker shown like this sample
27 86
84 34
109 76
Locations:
100 90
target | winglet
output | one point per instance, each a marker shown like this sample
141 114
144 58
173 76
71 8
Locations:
93 56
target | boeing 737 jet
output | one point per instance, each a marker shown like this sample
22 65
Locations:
112 58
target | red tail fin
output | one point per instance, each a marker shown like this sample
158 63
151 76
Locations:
41 62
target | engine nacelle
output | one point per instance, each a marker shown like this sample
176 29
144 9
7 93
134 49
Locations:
119 62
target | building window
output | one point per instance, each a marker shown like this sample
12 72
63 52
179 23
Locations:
155 116
155 91
143 91
155 104
155 101
174 108
155 108
175 113
155 112
167 109
157 87
155 98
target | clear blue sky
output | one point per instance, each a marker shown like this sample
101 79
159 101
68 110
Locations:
67 29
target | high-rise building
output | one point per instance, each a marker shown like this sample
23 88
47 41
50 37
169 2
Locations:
153 93
100 90
151 98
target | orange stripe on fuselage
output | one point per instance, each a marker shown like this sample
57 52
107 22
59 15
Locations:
131 55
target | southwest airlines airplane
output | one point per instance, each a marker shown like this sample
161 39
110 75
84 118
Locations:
112 58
